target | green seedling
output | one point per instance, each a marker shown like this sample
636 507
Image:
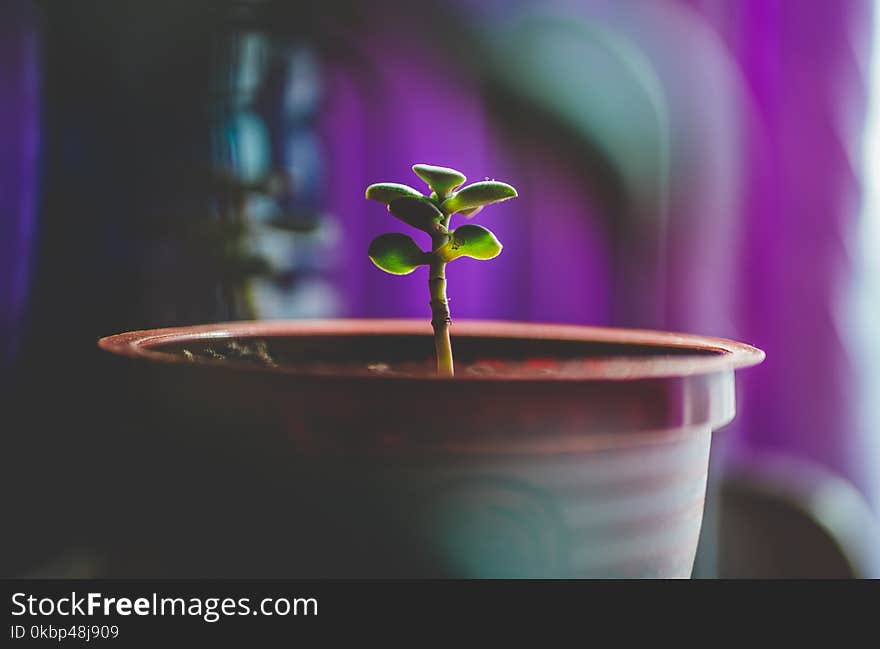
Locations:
398 254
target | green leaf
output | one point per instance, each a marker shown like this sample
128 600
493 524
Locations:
396 253
387 192
417 212
472 212
441 179
477 195
470 241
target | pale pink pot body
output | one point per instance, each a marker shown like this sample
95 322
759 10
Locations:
586 456
629 512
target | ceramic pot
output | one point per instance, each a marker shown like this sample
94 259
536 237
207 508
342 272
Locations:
556 451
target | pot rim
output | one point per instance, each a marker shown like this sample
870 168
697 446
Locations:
724 354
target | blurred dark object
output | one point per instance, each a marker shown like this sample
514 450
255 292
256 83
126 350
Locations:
143 220
785 518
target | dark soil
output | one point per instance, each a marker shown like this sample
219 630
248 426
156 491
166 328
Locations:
411 356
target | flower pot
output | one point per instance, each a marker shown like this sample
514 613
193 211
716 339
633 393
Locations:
329 448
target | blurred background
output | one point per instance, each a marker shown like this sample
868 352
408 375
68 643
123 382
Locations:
710 166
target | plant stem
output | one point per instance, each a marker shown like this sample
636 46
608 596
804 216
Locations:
440 319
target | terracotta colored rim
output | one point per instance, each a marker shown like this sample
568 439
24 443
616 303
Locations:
726 355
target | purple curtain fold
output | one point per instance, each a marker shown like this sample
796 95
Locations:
767 101
19 144
805 69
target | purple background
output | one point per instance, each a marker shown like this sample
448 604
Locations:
744 191
767 102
